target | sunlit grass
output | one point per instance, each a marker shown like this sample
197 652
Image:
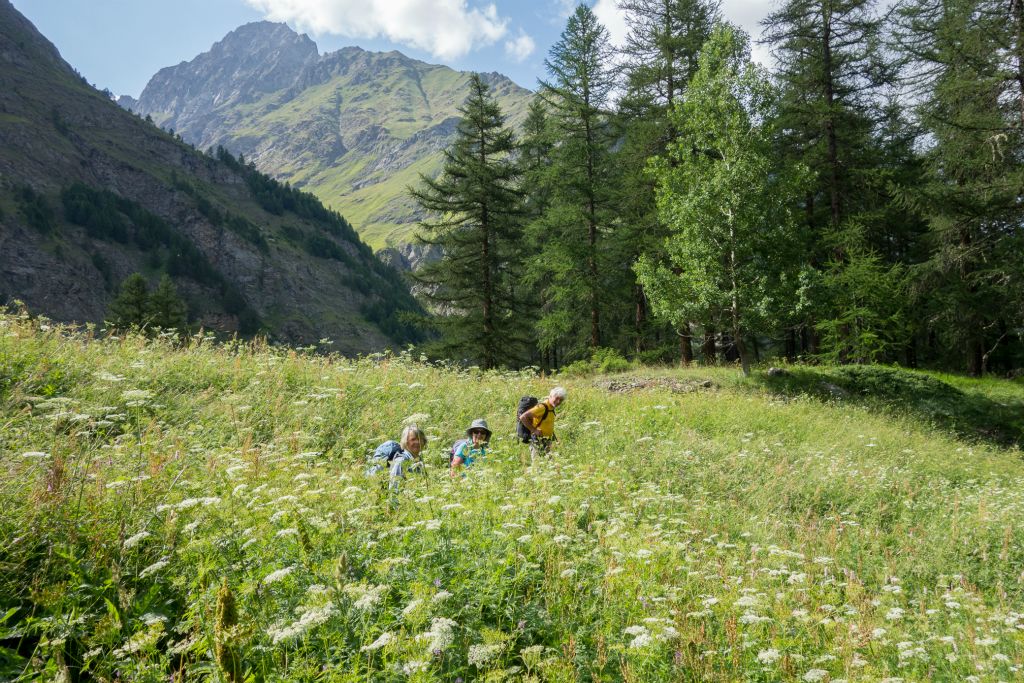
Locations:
723 533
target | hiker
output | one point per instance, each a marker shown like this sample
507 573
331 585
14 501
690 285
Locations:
539 422
399 456
466 451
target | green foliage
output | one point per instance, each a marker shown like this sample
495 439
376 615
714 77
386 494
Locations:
602 361
203 511
476 213
36 210
165 308
730 256
864 322
130 308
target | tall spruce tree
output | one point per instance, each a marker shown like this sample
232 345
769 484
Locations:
662 48
833 71
534 156
728 200
130 308
478 210
966 66
578 276
165 308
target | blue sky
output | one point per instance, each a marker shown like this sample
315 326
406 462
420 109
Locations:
120 44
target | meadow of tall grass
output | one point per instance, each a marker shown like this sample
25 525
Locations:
186 510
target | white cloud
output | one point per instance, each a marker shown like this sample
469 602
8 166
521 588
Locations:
447 29
520 47
614 19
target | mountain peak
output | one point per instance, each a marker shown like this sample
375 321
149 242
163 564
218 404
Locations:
260 37
254 59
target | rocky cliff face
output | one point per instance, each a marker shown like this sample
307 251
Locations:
355 128
239 246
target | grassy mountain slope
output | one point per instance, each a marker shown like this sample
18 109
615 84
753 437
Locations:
90 193
194 509
353 127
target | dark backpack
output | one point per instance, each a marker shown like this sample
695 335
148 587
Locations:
525 403
387 451
455 449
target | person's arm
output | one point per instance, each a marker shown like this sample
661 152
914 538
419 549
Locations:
530 422
456 464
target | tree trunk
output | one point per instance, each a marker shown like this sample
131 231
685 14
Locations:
976 357
708 348
685 346
830 124
640 316
791 345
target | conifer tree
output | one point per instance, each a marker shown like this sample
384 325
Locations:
832 71
166 309
728 201
579 277
966 61
130 308
477 211
662 48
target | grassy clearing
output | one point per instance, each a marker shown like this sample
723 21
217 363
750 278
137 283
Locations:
203 510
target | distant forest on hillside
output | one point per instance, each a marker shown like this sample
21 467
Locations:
860 202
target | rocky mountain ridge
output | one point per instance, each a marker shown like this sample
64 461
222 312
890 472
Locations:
90 193
353 127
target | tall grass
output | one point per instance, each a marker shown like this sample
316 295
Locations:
187 509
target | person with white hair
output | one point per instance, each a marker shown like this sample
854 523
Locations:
399 456
539 422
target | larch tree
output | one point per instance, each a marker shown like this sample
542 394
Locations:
476 210
578 275
966 69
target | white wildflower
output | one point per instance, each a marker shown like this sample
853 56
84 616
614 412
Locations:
894 614
283 533
309 620
441 633
767 657
133 541
815 675
153 568
275 576
383 639
35 454
642 640
415 666
479 654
